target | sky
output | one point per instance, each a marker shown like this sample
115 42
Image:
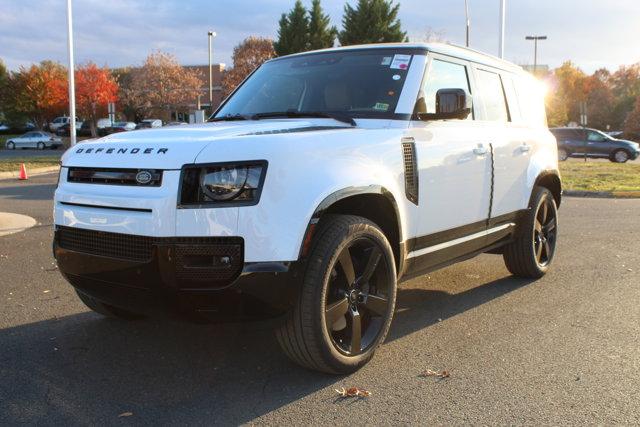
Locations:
591 33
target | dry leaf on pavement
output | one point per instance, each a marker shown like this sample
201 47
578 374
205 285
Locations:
353 392
438 374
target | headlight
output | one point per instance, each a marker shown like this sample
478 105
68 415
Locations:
224 184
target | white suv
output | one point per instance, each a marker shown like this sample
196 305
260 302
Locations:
322 182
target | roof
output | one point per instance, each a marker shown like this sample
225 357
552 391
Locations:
441 48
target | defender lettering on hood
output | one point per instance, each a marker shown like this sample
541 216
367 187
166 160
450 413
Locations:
113 150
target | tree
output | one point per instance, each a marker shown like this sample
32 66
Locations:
38 93
3 82
599 98
95 88
161 85
372 21
293 34
632 123
321 34
247 56
625 85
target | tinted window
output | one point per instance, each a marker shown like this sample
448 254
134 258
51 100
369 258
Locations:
444 75
492 96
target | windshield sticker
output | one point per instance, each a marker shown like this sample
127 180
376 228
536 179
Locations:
386 60
381 106
400 62
396 77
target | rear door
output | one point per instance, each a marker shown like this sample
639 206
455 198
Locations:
454 169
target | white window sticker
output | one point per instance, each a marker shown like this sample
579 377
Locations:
386 60
400 62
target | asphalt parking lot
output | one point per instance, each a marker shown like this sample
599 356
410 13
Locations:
560 350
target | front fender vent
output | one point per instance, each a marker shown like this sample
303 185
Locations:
410 169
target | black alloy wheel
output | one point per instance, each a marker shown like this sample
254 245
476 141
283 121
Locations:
544 233
357 300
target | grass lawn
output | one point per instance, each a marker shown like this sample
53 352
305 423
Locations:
13 164
601 176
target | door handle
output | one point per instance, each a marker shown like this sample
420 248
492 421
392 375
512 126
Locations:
525 147
480 150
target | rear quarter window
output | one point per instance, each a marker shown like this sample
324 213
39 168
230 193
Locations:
530 94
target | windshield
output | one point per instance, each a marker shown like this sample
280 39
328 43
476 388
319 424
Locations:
359 84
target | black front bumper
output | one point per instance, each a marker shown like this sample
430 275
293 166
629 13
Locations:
194 278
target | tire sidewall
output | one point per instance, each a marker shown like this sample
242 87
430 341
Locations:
615 153
11 145
41 146
542 195
563 155
330 353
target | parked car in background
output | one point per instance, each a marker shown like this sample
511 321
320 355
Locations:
84 130
117 127
3 127
149 123
578 142
103 123
176 124
61 121
34 139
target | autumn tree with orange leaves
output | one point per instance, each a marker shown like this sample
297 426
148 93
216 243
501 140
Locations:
38 93
95 88
247 56
160 86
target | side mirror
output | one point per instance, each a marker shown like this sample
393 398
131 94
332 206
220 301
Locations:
450 104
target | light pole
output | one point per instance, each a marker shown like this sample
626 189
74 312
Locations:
211 34
468 22
72 89
535 50
502 19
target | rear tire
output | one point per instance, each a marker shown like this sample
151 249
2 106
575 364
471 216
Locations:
41 146
106 309
562 154
531 254
347 299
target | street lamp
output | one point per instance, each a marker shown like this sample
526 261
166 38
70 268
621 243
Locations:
72 91
211 35
535 50
503 8
468 22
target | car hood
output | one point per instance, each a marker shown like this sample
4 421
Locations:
634 145
172 147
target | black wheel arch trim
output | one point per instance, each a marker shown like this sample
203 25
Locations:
347 192
546 174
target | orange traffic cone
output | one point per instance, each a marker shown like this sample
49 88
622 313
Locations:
23 172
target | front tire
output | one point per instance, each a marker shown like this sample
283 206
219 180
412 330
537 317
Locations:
620 156
41 146
531 254
348 295
11 146
106 309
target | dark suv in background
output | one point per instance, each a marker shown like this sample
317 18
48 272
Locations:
578 142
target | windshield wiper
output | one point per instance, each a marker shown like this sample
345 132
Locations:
297 114
229 118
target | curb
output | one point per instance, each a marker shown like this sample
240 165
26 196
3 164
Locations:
603 194
34 172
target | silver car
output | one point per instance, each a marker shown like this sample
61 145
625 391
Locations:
34 139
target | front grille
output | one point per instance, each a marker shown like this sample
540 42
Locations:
110 176
102 243
410 169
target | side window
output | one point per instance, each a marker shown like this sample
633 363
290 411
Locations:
595 137
492 95
531 100
444 75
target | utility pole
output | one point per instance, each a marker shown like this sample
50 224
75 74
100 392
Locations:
502 22
468 22
72 89
535 50
211 35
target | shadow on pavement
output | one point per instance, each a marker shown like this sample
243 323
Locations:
28 192
84 368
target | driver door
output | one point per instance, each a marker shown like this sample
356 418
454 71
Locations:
597 144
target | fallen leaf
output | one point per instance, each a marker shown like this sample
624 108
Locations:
46 291
353 392
438 374
126 414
